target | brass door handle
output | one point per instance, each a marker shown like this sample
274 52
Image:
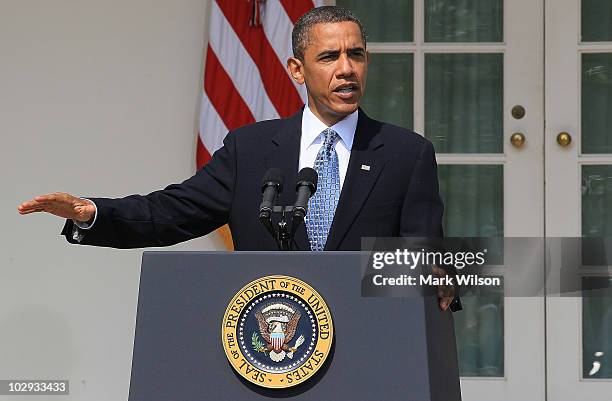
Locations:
517 140
564 139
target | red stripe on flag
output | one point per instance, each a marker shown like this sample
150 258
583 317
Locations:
223 95
296 8
202 155
281 91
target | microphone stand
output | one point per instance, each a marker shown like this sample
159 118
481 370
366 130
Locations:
284 237
266 220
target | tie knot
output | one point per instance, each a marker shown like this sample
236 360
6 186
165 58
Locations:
329 137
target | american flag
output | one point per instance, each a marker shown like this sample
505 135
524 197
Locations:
245 76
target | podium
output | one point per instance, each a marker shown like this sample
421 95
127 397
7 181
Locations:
388 349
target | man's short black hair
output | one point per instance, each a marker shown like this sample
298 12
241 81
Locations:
320 15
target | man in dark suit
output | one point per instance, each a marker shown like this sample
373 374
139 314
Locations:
375 179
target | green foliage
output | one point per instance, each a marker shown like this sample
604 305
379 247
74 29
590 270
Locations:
258 345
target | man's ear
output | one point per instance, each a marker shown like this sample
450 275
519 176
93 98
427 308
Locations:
296 69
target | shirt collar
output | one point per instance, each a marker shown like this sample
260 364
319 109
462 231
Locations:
312 128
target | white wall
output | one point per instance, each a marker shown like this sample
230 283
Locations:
96 98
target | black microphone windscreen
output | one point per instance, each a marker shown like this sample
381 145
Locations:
310 176
275 176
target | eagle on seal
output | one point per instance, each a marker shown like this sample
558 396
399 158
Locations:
277 324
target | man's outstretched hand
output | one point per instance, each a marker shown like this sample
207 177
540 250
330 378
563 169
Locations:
62 205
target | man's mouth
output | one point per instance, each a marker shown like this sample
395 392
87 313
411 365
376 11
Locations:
347 92
346 89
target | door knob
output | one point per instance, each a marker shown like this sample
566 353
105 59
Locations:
517 139
564 139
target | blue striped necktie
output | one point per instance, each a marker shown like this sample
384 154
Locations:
322 205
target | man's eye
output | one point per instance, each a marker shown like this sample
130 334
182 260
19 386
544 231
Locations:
328 57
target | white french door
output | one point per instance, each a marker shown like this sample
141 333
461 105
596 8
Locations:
501 338
578 142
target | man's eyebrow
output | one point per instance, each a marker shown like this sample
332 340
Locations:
328 52
333 52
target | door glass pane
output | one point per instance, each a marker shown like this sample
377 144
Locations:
597 103
464 102
597 328
384 20
464 21
597 201
474 207
596 20
479 328
473 200
387 99
597 291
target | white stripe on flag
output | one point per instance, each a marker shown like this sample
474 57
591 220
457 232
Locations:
212 129
239 66
278 27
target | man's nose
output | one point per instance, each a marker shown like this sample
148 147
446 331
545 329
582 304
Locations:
345 66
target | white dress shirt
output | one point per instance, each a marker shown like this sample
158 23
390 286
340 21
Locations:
310 143
312 140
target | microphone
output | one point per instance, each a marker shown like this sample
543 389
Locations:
271 186
306 187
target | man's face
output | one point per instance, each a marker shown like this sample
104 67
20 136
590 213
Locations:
334 69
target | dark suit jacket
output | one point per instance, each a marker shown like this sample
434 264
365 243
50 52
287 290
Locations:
397 196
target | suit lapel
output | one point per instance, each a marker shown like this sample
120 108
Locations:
365 164
284 153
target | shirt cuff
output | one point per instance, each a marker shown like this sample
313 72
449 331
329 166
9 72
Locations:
84 225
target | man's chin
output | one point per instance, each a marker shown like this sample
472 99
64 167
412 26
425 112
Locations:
331 113
346 109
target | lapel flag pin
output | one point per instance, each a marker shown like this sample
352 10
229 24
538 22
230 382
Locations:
365 167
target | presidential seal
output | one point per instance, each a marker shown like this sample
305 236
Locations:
277 332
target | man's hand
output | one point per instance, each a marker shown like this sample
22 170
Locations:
62 205
446 293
